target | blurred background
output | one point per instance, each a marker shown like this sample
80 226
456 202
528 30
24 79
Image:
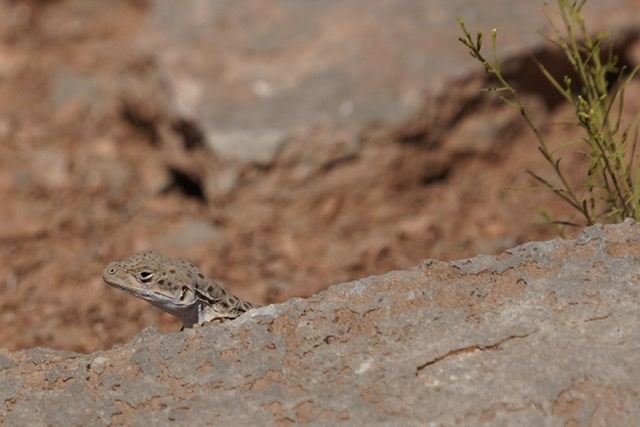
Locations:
282 146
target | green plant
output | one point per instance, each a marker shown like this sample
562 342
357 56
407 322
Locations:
610 190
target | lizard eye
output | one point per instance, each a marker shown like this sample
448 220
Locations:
145 276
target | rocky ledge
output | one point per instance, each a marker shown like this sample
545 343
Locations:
543 334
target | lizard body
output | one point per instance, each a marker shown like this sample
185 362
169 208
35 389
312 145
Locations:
175 286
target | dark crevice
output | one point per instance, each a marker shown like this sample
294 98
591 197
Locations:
433 177
526 76
186 184
472 348
146 126
192 136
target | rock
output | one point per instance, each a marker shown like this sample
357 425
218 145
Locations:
544 334
69 88
259 147
48 168
481 132
248 75
189 239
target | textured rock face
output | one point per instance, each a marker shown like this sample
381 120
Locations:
297 64
543 334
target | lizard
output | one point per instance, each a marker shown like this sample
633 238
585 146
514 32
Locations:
175 286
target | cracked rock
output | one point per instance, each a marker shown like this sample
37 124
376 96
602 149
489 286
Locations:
543 334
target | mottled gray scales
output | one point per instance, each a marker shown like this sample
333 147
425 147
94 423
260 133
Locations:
177 287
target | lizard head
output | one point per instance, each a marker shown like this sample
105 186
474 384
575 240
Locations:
154 278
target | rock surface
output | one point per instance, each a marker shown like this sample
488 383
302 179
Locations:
543 334
299 64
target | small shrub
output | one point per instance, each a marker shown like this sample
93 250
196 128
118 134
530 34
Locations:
610 190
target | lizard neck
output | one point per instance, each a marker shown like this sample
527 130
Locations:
187 313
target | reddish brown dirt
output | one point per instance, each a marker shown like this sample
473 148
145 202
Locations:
78 190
